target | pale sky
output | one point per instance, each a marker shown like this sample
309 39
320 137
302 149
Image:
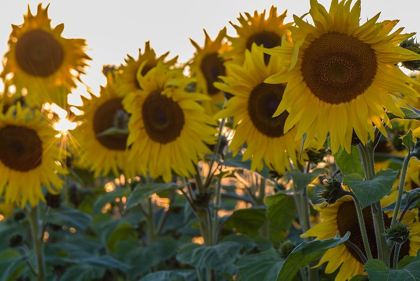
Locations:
114 29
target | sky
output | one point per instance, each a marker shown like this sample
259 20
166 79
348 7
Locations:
114 29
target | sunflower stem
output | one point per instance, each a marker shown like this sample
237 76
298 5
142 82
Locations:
400 188
362 225
150 222
216 211
38 244
396 255
367 156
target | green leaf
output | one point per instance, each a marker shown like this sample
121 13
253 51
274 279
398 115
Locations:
123 232
109 197
143 191
261 266
70 218
406 260
236 162
11 264
301 180
349 163
246 221
244 240
352 177
169 275
371 191
82 272
216 257
410 114
378 271
407 140
281 212
132 253
306 252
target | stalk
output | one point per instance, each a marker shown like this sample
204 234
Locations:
367 156
362 225
38 244
400 188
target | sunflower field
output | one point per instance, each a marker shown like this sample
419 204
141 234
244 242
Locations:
288 151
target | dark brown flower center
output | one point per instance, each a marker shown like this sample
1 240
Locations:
163 118
212 67
267 39
20 148
104 119
38 53
338 67
347 221
262 103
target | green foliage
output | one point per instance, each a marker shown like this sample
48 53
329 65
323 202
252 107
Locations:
408 141
134 254
305 253
11 264
247 221
69 217
378 271
301 180
349 163
261 266
170 275
281 212
109 197
371 191
217 257
143 191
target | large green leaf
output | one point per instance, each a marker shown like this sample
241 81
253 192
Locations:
82 272
305 253
123 232
70 218
301 180
11 264
349 163
216 257
378 271
247 221
371 191
169 275
143 191
109 197
262 266
281 212
143 258
244 240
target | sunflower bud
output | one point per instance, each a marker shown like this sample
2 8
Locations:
413 46
398 233
333 191
316 156
286 248
15 240
19 216
53 200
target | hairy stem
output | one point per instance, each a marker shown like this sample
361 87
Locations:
400 188
38 244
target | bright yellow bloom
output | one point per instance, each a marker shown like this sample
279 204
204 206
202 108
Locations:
168 128
29 157
267 32
341 75
104 153
129 73
42 62
252 106
206 66
341 217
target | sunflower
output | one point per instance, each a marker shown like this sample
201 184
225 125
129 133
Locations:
257 29
128 74
340 218
206 66
29 157
42 62
104 153
341 75
168 128
252 106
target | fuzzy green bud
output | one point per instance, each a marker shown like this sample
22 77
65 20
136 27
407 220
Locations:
398 233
